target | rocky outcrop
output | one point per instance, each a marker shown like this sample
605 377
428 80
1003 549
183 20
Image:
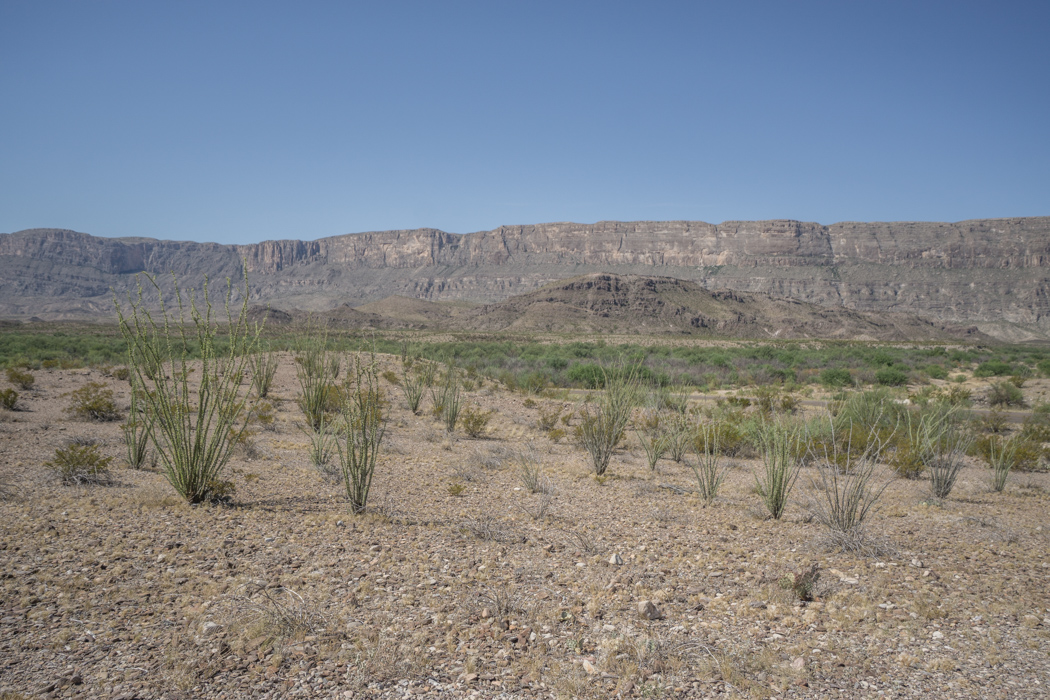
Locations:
983 271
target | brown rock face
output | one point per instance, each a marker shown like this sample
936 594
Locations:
968 272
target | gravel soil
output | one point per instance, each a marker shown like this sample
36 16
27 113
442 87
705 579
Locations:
458 582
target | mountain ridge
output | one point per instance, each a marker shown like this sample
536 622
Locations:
989 272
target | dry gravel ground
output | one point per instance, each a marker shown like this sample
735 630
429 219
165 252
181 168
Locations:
123 591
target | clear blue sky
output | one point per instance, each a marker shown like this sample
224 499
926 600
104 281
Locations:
247 121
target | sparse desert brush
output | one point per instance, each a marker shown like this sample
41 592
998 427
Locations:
447 398
136 430
80 462
93 401
264 414
20 378
416 375
8 399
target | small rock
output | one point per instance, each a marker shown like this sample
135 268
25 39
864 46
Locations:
715 574
616 560
267 539
339 523
938 635
209 628
648 611
917 563
798 664
589 668
486 614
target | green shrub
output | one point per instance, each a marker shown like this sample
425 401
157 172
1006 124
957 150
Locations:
80 462
1002 457
890 376
93 401
1044 367
936 372
1005 394
22 379
447 399
8 399
993 368
474 421
836 377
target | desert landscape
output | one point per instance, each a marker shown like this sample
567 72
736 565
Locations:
493 560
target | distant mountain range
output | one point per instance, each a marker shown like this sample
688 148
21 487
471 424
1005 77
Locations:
991 274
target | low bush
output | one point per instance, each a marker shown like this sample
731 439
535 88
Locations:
1005 394
93 401
779 446
20 378
80 462
836 377
474 421
8 399
993 368
891 376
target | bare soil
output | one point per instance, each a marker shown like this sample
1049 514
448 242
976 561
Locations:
124 591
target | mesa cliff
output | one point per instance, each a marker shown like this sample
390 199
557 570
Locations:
994 273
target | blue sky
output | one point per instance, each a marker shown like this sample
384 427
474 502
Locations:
246 121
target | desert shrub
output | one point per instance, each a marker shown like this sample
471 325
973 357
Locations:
1026 455
1044 367
416 376
654 444
1005 394
844 489
939 445
993 368
679 436
93 401
264 414
529 469
779 447
1036 427
891 376
601 426
80 462
836 377
318 395
1017 380
136 430
322 451
548 418
936 372
957 396
589 376
474 421
361 433
262 367
121 373
1002 455
8 399
708 471
447 398
20 378
992 422
194 428
803 584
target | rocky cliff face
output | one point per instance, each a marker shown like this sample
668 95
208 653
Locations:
985 271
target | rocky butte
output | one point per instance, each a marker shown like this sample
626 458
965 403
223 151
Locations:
992 273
